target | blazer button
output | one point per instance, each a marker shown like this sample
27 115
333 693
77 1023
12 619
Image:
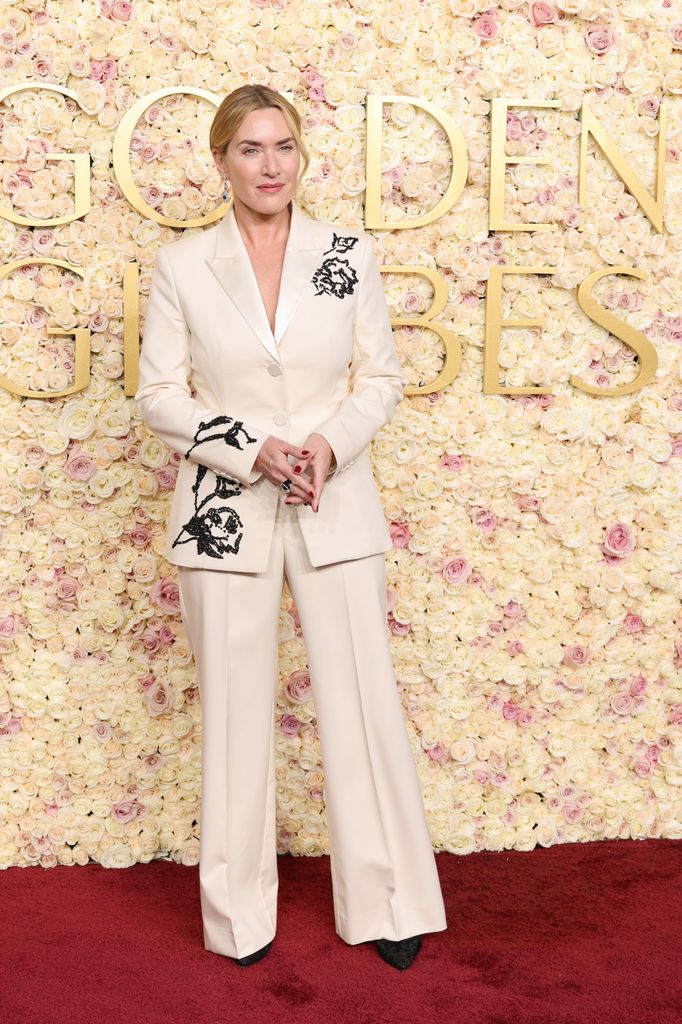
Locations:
275 370
280 419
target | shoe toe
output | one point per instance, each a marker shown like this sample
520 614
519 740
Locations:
399 953
253 958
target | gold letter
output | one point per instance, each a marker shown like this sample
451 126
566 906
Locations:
493 330
499 160
653 208
458 176
81 336
81 167
123 170
453 348
648 360
131 327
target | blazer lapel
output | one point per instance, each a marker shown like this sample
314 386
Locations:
232 267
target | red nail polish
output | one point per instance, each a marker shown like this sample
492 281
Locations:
297 469
305 451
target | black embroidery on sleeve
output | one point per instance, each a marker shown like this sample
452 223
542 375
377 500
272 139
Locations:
217 530
336 276
230 436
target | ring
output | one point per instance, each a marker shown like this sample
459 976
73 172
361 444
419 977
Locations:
286 485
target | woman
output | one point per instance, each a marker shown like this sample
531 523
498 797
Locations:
268 361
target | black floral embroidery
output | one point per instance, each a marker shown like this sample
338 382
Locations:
336 276
342 243
211 433
217 531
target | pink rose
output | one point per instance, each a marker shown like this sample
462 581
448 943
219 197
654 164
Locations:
400 534
514 129
622 704
486 26
485 520
166 595
290 725
80 466
575 654
436 752
600 38
451 461
572 812
121 10
298 687
619 540
157 699
456 570
542 13
649 105
633 623
127 810
8 627
166 636
312 77
150 641
11 726
510 711
67 588
675 33
515 647
398 628
638 685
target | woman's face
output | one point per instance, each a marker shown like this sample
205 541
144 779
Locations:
262 153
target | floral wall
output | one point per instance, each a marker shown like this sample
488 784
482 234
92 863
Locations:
534 581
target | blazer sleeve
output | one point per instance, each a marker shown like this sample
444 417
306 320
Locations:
217 439
377 380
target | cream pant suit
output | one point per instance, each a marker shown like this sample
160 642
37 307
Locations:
214 384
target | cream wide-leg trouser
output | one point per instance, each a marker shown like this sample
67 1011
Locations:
384 878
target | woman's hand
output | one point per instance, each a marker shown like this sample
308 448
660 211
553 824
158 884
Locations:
318 455
273 463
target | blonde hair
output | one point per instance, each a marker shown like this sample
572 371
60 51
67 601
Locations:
241 102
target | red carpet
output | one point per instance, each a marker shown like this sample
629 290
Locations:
573 934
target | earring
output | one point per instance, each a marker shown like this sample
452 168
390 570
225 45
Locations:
226 190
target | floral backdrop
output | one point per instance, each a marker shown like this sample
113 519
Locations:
534 581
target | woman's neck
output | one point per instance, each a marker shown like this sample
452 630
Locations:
262 229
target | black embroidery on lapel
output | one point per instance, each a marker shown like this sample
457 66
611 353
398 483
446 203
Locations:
335 276
217 531
342 243
230 436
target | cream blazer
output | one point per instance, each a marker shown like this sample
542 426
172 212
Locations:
214 384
